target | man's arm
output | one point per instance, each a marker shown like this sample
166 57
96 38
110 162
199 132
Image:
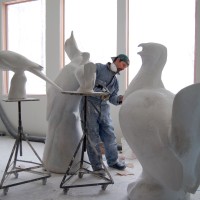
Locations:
116 99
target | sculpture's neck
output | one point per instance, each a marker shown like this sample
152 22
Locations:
147 78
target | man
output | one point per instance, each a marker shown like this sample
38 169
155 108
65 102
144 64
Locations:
99 123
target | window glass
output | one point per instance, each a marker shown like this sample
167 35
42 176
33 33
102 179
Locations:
94 24
171 23
26 36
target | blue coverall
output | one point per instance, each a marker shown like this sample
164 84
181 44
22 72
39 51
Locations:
99 123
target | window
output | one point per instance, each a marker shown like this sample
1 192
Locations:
94 24
171 23
26 36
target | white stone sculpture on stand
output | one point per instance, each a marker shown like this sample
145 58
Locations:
64 125
17 63
165 142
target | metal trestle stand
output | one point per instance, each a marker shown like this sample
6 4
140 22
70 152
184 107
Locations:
16 166
81 167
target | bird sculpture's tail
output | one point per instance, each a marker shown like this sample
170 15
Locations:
42 76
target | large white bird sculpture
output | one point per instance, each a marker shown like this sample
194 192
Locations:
64 125
18 63
163 132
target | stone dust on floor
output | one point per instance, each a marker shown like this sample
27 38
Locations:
37 190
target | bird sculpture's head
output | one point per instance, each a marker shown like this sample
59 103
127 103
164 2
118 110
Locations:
153 54
74 54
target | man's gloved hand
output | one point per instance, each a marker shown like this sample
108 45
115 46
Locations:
120 99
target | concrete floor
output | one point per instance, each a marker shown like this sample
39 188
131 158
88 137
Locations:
51 190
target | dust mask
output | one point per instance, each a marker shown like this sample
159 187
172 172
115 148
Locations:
113 67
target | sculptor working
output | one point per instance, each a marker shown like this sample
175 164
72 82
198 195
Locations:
64 123
99 122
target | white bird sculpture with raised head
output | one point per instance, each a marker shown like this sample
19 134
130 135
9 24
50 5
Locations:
163 131
18 63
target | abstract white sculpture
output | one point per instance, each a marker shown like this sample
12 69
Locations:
17 63
165 142
185 135
64 125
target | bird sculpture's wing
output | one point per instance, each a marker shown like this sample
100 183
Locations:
145 120
185 134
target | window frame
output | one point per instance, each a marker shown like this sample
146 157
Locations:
194 48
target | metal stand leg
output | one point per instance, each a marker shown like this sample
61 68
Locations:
12 165
82 170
